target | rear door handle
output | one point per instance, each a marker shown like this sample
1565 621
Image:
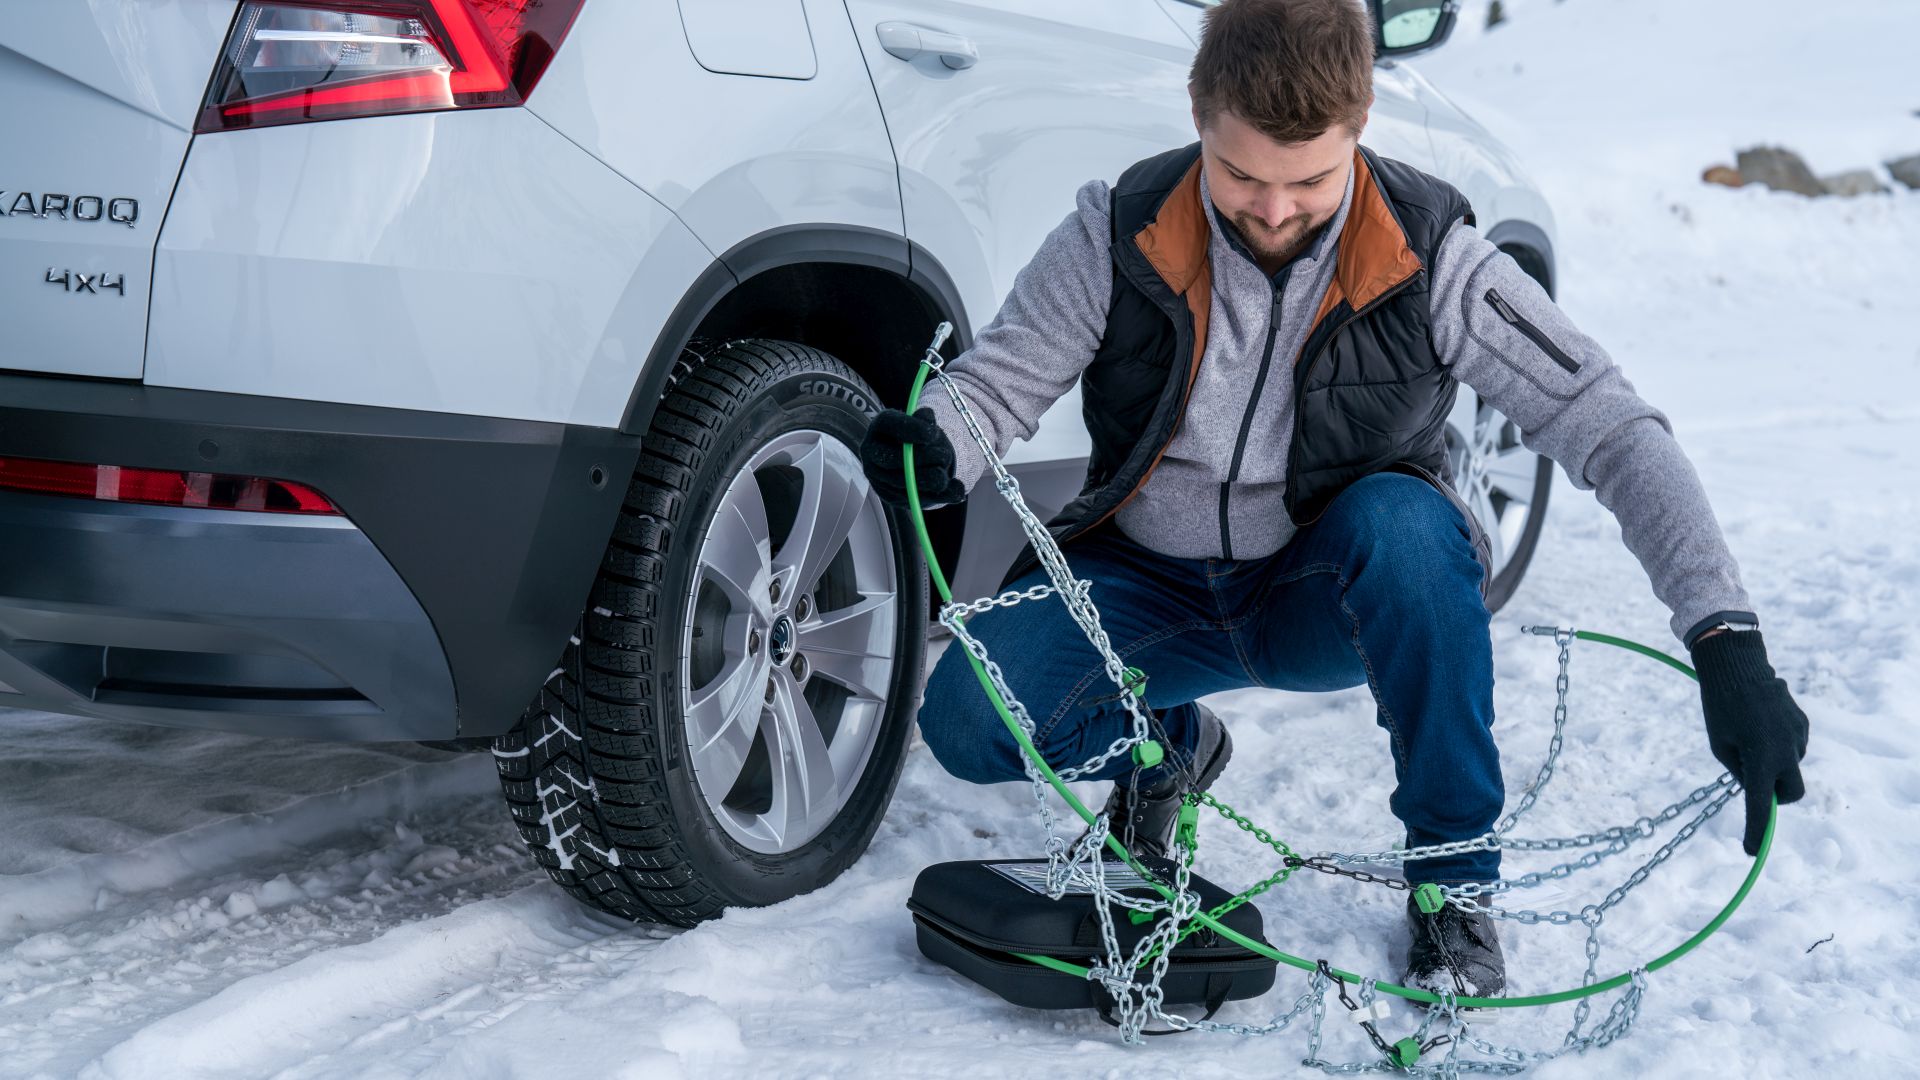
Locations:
910 42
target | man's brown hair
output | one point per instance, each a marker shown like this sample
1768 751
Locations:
1291 69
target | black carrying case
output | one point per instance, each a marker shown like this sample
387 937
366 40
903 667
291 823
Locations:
975 916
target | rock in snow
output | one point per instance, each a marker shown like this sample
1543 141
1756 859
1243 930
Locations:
1906 169
1779 169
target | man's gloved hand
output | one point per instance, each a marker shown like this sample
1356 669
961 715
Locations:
881 457
1753 724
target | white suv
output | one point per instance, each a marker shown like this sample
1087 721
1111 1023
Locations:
534 372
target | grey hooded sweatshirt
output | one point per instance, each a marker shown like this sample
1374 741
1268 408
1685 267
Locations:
1565 394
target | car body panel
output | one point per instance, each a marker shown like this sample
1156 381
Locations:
101 101
1485 170
154 56
732 155
405 261
781 45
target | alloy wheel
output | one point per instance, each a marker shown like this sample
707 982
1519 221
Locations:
1493 472
791 639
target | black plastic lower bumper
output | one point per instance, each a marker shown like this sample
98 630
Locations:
435 610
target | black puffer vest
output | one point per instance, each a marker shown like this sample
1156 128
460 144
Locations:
1370 394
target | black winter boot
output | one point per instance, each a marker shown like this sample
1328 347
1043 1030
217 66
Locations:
1455 950
1144 820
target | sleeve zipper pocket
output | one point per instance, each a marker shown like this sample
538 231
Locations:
1506 312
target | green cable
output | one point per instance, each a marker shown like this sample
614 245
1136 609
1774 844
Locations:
1260 947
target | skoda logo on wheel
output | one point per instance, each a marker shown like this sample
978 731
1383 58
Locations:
780 643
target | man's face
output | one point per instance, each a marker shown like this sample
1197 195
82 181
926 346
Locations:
1276 194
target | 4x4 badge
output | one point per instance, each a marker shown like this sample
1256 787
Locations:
88 283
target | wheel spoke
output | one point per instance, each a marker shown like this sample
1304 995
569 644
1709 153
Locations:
805 787
1512 473
853 645
831 499
721 720
735 556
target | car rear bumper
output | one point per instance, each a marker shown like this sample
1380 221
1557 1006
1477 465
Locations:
264 622
433 609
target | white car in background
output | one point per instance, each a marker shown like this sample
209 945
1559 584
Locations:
489 373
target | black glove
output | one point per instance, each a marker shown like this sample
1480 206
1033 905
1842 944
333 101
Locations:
881 457
1753 725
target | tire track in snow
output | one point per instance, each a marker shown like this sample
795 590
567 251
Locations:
153 932
432 975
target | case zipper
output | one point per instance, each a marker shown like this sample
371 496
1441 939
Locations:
1513 317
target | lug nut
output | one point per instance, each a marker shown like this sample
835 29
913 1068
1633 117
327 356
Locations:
799 668
769 691
753 643
775 590
802 608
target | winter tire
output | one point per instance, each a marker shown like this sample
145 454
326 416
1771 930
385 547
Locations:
727 723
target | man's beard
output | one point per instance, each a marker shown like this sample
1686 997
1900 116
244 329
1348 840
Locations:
1277 246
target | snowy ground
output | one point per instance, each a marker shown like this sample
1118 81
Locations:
192 904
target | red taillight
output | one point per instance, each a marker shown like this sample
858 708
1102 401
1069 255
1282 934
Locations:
162 487
290 61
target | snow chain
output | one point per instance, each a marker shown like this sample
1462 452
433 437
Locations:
1448 1018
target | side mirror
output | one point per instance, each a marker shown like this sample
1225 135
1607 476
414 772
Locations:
1403 28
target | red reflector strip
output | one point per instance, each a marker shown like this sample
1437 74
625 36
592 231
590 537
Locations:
414 92
162 487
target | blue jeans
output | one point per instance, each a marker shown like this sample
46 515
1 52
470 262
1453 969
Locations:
1384 589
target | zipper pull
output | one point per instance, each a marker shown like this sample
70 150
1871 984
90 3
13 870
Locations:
1532 332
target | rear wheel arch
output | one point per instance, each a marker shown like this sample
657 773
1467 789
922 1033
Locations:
866 296
870 297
